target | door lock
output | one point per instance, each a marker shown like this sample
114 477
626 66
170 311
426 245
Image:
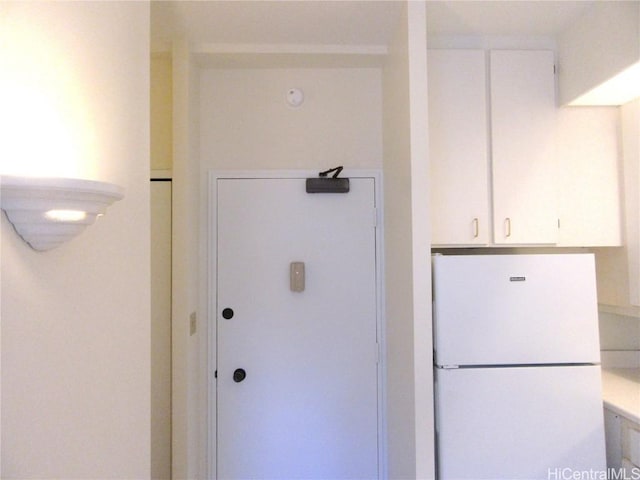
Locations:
239 375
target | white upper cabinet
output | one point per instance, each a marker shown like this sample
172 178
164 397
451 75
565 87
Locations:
508 167
458 147
618 269
521 108
588 176
523 120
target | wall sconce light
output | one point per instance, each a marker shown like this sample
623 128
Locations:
47 212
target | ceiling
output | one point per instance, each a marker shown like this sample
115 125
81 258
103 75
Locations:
306 22
348 22
483 17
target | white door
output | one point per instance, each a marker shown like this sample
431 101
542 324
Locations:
297 373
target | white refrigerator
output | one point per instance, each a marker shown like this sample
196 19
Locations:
516 366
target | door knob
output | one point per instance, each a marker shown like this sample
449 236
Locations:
227 313
239 375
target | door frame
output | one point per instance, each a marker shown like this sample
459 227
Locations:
211 299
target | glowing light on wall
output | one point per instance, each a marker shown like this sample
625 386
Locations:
46 126
47 144
47 212
618 90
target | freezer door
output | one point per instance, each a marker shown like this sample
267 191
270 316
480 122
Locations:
519 422
515 309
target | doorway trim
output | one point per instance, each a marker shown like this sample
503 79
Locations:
211 300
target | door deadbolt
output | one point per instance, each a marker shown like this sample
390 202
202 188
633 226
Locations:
227 313
239 375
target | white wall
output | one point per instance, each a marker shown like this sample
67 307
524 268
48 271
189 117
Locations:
598 46
619 332
161 112
245 122
398 259
75 320
618 270
410 419
421 237
189 374
630 115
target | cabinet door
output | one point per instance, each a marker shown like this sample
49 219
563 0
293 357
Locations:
631 154
631 443
588 172
523 124
458 147
613 438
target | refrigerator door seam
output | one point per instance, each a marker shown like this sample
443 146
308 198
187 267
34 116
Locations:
517 365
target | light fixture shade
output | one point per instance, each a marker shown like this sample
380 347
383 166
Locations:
47 212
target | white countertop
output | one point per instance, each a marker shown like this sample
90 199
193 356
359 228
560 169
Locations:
621 391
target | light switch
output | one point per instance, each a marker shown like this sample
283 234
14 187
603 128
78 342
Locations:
296 276
192 323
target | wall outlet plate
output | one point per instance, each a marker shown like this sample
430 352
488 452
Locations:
193 324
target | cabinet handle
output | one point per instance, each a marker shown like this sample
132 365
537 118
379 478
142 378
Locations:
507 222
475 227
